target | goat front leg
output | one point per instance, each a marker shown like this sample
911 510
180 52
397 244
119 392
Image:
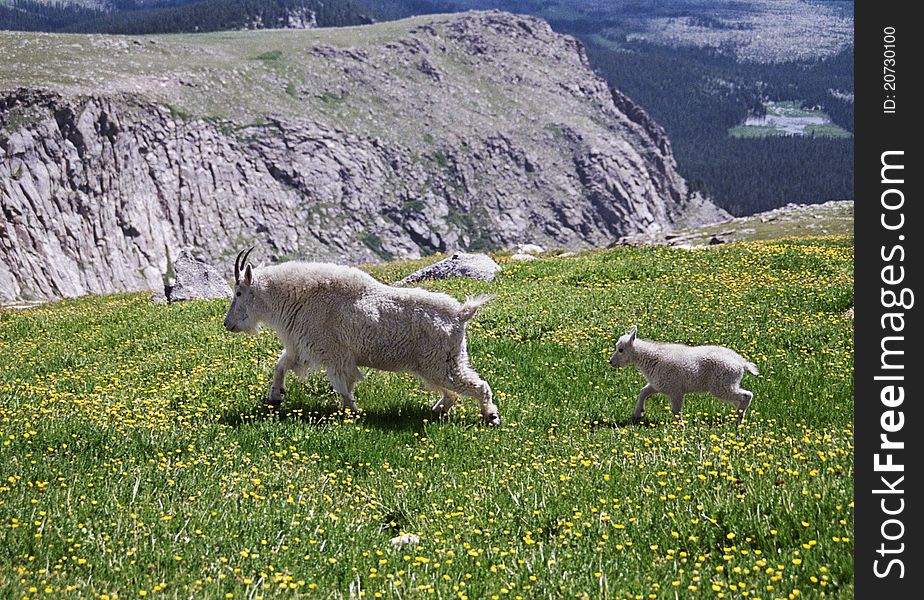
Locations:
640 405
278 388
444 404
677 407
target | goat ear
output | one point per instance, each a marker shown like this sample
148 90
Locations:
632 334
247 279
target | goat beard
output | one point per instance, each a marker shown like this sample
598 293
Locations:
252 330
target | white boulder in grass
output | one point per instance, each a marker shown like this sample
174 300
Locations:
676 370
530 249
193 280
407 539
460 264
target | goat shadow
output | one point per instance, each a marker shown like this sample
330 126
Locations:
704 420
323 412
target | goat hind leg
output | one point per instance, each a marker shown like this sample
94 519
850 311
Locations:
744 401
738 398
343 380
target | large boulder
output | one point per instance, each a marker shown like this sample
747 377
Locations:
460 264
195 280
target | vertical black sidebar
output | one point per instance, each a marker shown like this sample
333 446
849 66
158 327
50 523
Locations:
888 414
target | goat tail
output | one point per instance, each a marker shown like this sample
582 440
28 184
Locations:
751 367
472 304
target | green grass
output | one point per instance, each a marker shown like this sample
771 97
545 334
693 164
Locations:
834 218
830 130
270 56
761 131
137 459
21 116
753 131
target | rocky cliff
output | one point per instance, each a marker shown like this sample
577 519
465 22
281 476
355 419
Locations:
437 133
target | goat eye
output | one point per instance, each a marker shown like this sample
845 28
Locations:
620 349
238 294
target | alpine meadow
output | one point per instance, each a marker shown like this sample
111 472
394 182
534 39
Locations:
138 459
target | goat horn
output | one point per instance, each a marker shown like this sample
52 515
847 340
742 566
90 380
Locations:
246 256
237 267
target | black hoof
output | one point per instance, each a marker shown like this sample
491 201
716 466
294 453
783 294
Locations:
492 420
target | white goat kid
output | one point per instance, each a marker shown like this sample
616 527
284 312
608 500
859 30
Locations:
339 318
676 370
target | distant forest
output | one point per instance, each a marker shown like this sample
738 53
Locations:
25 15
175 16
698 94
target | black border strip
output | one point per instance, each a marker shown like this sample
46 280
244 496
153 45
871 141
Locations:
877 248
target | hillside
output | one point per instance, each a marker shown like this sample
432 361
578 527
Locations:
792 220
475 131
151 417
702 68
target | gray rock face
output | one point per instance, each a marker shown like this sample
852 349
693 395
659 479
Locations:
195 280
479 130
460 264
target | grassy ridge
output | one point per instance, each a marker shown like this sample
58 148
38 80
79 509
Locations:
343 77
136 459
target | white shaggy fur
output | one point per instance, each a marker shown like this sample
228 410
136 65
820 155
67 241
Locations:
339 318
675 370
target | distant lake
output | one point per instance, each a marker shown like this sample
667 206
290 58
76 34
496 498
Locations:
788 118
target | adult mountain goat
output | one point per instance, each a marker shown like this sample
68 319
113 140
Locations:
676 370
339 318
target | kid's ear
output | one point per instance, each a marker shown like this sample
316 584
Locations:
247 279
632 334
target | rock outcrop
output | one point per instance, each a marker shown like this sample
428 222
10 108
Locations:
461 264
195 280
471 131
